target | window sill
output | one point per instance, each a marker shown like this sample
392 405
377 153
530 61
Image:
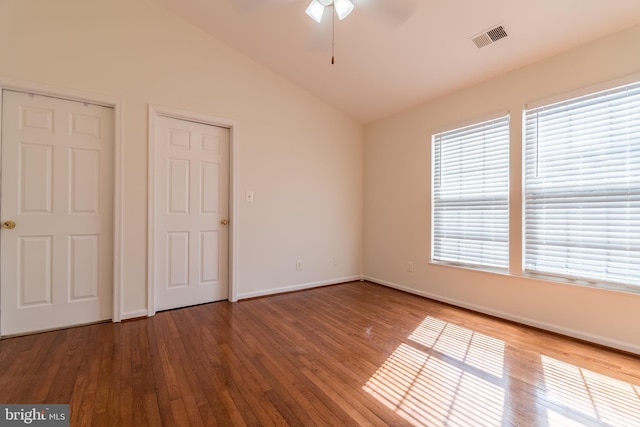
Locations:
471 267
583 283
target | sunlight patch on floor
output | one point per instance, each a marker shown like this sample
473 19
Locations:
458 383
448 375
589 395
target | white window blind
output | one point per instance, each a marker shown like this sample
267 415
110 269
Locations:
471 195
582 187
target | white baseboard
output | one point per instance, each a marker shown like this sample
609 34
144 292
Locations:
298 287
597 339
273 291
133 314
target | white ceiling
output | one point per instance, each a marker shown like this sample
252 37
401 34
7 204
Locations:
385 61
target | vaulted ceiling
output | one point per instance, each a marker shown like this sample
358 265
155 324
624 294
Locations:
394 54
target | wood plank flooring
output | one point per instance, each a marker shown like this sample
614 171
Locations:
350 354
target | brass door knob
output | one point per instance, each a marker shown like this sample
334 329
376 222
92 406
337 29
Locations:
224 222
9 224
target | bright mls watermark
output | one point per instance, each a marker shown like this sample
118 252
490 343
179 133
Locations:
36 415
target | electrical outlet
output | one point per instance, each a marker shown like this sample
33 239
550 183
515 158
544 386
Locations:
299 264
410 267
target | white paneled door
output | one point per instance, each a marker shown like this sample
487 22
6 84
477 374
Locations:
56 241
191 213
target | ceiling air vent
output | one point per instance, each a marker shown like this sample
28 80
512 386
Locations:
489 36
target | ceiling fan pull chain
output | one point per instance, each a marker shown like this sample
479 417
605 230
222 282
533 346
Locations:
333 36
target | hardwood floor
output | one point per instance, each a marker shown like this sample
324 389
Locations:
351 354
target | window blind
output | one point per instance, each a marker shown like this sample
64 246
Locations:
471 194
582 187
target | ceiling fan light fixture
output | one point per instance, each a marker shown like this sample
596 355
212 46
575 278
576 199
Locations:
343 8
315 10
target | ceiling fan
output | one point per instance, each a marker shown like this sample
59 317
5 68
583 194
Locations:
395 10
317 7
392 12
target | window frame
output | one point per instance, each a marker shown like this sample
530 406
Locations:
499 117
586 92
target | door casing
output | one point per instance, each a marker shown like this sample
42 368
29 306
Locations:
154 112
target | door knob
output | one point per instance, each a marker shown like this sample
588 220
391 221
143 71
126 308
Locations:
224 222
9 224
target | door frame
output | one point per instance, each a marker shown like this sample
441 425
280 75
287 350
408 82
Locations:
156 111
118 163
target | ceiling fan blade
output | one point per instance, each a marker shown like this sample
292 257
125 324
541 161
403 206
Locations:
393 12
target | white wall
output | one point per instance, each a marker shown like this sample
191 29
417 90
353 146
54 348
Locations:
397 201
302 159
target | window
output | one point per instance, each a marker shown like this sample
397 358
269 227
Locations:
471 195
582 187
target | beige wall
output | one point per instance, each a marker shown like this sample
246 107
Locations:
302 159
397 201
